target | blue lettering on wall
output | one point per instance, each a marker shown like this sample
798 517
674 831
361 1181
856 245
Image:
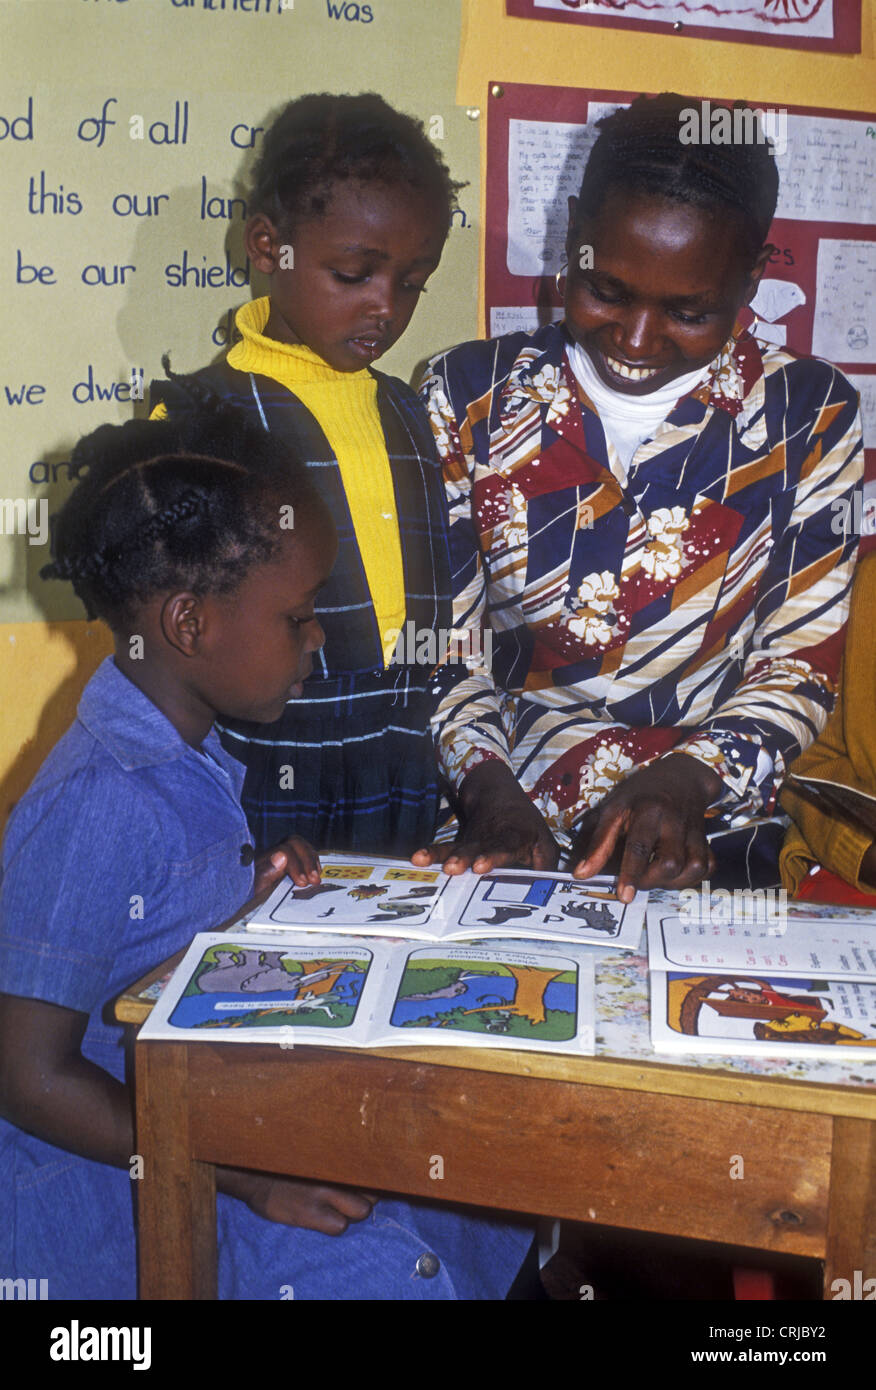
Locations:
350 11
185 274
84 392
18 127
149 205
33 274
218 208
95 127
57 200
28 395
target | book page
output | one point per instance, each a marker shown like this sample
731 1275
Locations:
237 988
776 1016
839 945
553 907
365 894
471 996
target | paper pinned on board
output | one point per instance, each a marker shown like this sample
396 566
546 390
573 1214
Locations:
843 329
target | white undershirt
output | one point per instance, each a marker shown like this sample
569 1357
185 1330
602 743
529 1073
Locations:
628 420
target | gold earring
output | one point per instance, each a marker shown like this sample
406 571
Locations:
560 275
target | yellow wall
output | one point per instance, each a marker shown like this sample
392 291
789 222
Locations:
43 667
409 54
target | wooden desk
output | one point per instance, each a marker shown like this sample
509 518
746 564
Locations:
641 1144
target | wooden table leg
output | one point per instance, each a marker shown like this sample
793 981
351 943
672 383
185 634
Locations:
851 1231
176 1195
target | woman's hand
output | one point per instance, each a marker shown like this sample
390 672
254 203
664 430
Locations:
500 827
656 816
294 857
297 1201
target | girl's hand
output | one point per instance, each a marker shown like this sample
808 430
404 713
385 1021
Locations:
657 815
294 857
500 827
298 1202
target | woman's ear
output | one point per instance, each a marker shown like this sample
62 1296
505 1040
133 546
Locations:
262 242
182 622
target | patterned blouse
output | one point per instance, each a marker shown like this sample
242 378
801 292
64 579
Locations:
699 607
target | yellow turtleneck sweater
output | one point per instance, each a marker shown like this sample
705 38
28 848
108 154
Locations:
345 406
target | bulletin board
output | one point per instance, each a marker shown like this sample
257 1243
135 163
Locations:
817 294
833 25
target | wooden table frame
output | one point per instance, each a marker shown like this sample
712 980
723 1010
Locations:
644 1146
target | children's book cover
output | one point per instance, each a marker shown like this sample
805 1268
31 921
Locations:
750 1014
386 897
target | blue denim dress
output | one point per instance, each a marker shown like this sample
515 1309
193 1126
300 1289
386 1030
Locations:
125 845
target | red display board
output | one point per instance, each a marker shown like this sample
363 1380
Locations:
818 292
833 25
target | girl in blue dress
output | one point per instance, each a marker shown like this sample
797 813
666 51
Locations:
132 837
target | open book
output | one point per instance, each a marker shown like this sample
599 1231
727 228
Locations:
837 798
234 987
368 896
808 989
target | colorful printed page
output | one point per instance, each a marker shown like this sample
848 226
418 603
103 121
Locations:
759 1014
389 897
332 992
826 943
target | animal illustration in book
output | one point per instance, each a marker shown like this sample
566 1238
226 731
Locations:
771 1010
501 898
486 996
318 989
362 893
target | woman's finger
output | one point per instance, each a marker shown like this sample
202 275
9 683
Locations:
601 846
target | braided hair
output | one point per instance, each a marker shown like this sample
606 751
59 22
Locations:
321 139
191 502
638 150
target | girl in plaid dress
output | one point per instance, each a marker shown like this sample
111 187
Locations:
349 213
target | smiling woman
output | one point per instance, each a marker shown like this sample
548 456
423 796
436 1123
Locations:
642 501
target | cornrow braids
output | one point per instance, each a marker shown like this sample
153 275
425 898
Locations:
191 502
320 139
638 149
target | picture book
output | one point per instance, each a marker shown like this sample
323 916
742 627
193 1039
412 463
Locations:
802 985
836 797
390 897
331 991
751 1013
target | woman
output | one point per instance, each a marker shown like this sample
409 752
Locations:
643 504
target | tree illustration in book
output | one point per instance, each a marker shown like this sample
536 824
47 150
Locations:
486 997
